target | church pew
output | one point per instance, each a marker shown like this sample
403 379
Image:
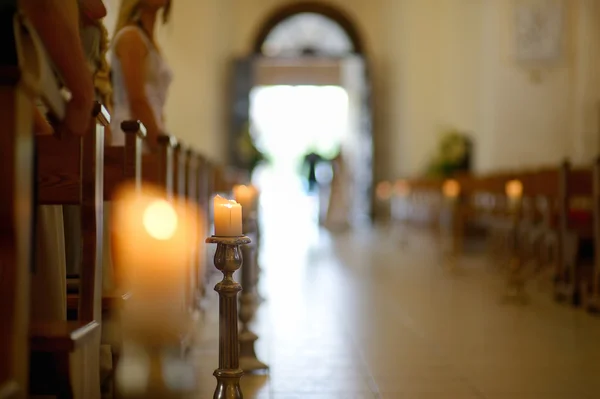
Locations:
591 290
551 223
187 174
496 216
122 164
192 186
158 168
206 190
425 200
24 79
70 171
542 190
576 233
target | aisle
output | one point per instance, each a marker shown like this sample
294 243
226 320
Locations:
357 317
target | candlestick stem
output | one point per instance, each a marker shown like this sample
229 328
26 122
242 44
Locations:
228 258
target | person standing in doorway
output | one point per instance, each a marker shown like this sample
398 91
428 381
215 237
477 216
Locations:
338 211
311 160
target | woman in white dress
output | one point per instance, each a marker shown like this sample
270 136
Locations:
338 211
140 75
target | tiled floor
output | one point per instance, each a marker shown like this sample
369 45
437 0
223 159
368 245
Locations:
361 316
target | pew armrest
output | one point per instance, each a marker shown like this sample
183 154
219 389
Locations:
61 336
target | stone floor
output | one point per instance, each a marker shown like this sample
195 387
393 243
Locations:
372 314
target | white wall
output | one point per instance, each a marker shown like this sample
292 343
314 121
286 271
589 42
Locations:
435 63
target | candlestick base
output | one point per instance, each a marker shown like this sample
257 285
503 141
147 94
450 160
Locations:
228 384
248 360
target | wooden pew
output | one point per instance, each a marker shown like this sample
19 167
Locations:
576 233
553 224
185 190
158 168
192 186
70 171
591 291
122 164
25 77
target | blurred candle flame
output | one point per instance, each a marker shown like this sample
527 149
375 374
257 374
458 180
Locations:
451 188
514 189
160 220
384 190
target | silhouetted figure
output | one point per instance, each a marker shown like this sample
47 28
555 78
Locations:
311 160
338 211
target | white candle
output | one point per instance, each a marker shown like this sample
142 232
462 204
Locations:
245 196
154 241
228 217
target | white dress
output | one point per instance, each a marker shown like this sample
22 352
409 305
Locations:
157 81
338 212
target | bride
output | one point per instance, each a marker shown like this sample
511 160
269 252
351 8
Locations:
338 211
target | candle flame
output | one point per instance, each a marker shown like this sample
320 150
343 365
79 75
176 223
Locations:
384 190
514 189
451 188
160 220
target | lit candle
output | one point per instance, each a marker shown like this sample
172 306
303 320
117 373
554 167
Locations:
245 196
514 192
153 244
384 190
228 217
451 189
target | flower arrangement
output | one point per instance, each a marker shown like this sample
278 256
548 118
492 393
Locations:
453 155
248 154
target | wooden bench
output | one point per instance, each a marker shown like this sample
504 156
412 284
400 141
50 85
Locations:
70 171
122 165
158 168
591 289
23 81
576 233
550 224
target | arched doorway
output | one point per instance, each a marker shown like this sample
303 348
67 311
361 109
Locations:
331 13
311 45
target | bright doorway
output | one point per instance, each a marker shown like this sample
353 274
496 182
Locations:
306 89
287 124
